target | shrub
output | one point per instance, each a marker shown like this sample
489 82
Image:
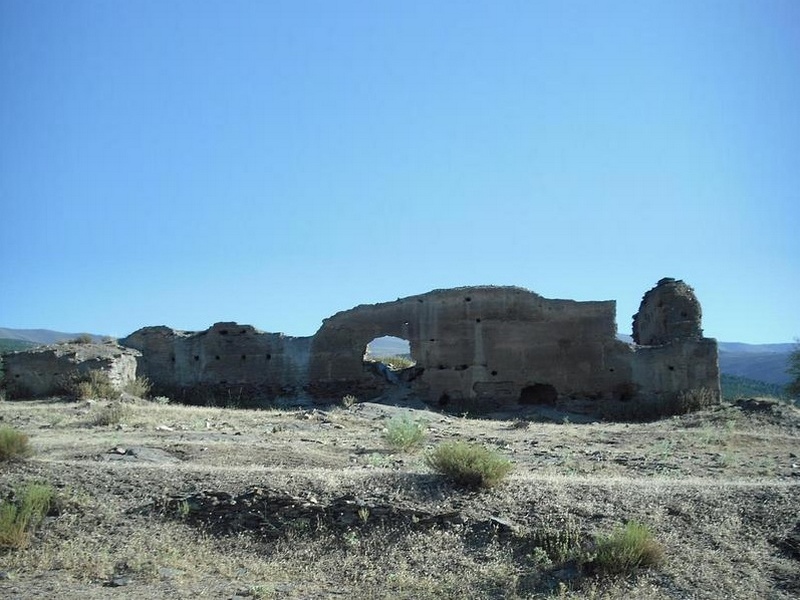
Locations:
19 520
139 387
405 434
793 370
559 539
112 414
94 385
471 465
83 338
627 549
13 444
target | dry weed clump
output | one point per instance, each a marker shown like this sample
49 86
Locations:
627 549
112 414
19 519
139 387
470 465
348 401
95 385
13 444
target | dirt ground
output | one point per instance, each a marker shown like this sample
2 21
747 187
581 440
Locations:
718 489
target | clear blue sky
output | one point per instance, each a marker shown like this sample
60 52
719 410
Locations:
187 162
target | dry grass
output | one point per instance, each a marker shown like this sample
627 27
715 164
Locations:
19 519
471 465
714 488
13 444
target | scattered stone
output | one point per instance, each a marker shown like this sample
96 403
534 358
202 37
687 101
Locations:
165 428
119 581
140 454
169 573
757 405
791 543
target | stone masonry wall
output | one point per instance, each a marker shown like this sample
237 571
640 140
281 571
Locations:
475 348
239 358
484 344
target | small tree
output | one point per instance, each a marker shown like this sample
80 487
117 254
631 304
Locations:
793 388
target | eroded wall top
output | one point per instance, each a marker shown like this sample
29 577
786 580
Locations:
670 311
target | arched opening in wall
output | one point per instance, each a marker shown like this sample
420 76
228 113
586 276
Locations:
538 393
394 352
390 357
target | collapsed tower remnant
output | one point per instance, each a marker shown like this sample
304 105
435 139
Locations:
475 348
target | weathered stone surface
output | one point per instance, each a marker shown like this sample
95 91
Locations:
670 311
227 357
477 344
45 370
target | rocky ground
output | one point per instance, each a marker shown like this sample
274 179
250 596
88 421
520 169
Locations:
168 501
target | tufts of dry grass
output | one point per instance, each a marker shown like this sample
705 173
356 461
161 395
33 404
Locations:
19 519
627 549
111 414
470 465
14 444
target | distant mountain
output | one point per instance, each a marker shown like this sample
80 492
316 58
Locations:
41 336
388 346
740 348
769 367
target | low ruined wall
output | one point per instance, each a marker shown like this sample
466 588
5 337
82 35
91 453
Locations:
237 359
48 370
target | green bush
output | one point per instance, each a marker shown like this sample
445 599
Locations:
559 539
13 444
403 433
83 338
793 369
470 465
627 549
19 520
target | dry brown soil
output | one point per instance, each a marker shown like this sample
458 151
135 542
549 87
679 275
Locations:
719 489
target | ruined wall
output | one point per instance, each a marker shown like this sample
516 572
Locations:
47 370
475 348
674 357
239 358
486 344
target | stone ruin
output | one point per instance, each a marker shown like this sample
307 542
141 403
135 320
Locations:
49 370
475 348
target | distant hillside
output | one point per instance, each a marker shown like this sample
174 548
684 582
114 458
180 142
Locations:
41 336
762 366
734 387
9 345
388 346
